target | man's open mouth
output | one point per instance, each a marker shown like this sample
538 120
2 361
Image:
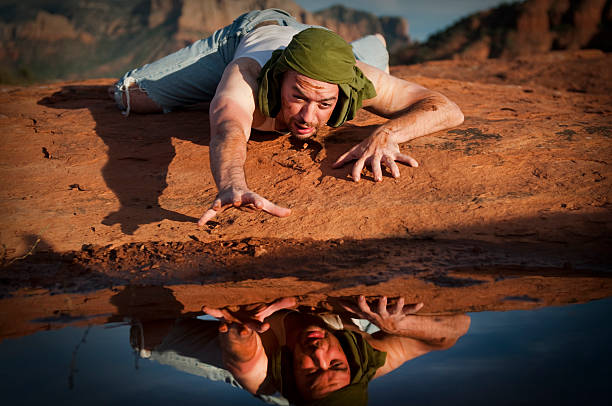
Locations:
315 334
303 129
311 337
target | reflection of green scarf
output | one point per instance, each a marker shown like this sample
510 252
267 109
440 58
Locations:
363 361
322 55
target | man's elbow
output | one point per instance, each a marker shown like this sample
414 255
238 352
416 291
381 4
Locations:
452 115
455 115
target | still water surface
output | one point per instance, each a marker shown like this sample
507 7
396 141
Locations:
556 355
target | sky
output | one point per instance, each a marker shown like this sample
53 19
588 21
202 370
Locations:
424 17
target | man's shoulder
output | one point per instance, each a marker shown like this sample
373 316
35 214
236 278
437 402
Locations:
240 72
247 66
373 73
237 89
380 79
392 93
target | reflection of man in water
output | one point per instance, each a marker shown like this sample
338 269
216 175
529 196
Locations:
316 360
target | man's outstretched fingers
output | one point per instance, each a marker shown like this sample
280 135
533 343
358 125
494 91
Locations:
407 160
376 169
350 307
218 313
399 306
363 306
277 305
261 203
413 308
210 213
237 199
390 163
253 199
356 174
217 204
344 158
274 209
382 306
263 327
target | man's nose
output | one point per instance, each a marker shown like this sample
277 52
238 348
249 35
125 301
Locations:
320 359
308 112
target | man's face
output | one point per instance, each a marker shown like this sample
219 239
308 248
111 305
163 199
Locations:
319 363
306 104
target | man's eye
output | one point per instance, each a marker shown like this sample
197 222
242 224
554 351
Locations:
325 105
337 365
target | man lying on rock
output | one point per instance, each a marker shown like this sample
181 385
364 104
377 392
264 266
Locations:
266 71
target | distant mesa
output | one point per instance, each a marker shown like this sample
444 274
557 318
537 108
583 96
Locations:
44 40
100 38
519 29
353 24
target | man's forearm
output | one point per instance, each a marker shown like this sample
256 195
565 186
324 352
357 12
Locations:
227 156
245 358
432 113
421 335
433 330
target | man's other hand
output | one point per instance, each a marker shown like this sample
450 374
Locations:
374 150
395 320
242 198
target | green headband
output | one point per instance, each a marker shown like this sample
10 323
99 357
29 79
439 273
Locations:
322 55
363 361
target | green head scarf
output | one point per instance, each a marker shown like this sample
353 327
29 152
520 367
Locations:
322 55
363 361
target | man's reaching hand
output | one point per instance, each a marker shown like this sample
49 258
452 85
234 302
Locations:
251 316
242 198
374 150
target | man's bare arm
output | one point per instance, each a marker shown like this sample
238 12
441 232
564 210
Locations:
242 348
231 117
421 334
404 335
413 111
244 356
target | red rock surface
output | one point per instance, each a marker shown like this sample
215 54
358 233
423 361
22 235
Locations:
91 198
529 163
31 310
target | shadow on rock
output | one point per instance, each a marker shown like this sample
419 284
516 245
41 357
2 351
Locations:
575 245
147 303
139 152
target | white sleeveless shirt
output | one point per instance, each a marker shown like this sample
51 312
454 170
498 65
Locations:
260 43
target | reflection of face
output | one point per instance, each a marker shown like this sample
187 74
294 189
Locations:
319 363
306 104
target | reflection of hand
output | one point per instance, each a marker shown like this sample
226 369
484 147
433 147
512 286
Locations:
242 197
238 342
374 150
397 321
249 317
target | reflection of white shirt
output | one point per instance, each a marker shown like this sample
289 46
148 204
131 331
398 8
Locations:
192 346
260 43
